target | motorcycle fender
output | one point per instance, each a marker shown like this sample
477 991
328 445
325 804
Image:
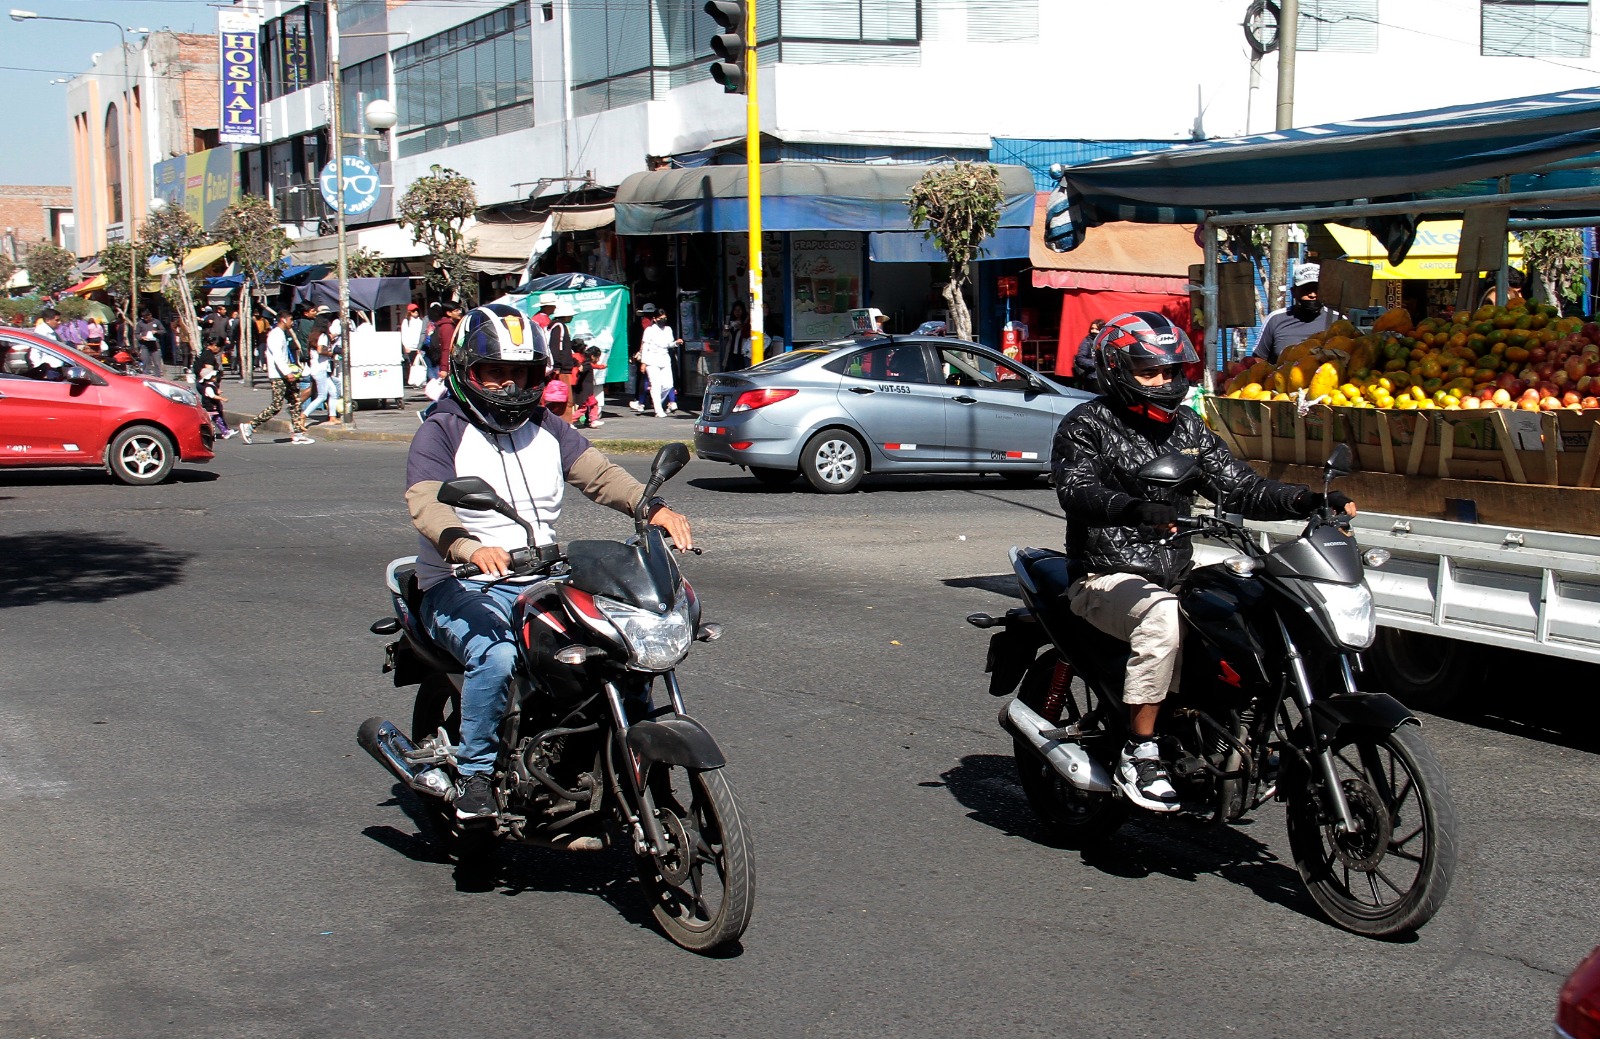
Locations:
1376 712
1011 651
675 741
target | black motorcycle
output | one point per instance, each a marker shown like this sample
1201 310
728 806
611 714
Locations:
582 749
1272 707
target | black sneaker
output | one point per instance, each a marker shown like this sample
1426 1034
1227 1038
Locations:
474 796
1143 778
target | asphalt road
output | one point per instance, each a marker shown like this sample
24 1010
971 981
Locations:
195 846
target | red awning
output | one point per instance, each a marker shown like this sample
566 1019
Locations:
1118 257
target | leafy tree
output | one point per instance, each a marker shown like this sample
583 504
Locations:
116 261
50 266
364 263
171 232
8 270
434 208
1556 255
958 206
250 229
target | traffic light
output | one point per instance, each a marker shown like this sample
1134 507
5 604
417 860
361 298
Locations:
728 45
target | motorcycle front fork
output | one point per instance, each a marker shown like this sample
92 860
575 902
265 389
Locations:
1346 821
644 827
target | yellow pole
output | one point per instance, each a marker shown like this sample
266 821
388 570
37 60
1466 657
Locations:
752 148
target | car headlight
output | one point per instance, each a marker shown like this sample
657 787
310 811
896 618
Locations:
1349 612
175 393
657 640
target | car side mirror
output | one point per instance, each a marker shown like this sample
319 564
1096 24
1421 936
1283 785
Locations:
470 492
77 374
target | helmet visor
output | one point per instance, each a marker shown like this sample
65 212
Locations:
1145 355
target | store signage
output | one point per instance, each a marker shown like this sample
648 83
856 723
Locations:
295 58
600 319
827 284
241 77
202 184
360 185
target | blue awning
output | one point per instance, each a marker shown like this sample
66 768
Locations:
795 196
1454 152
1008 243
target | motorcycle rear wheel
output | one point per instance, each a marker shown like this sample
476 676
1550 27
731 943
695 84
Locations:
1389 879
1073 818
703 892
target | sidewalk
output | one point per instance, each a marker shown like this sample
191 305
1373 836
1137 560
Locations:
623 432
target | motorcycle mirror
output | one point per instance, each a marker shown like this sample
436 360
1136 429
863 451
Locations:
1340 462
669 461
1169 471
470 492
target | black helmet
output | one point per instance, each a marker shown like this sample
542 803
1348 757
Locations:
1139 342
498 334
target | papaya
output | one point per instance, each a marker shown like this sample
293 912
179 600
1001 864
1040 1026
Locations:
1324 381
1395 319
1342 327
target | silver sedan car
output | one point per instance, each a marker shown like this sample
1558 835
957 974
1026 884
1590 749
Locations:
885 404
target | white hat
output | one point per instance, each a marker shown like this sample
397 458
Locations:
1307 274
548 299
564 309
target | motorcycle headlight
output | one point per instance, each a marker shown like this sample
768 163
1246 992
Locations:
656 640
175 393
1349 609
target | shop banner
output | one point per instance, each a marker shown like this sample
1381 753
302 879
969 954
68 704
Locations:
241 78
203 183
294 57
827 284
601 320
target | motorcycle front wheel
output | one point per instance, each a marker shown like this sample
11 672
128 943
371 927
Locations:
1389 878
1073 818
703 890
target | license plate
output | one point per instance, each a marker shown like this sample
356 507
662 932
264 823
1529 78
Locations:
714 407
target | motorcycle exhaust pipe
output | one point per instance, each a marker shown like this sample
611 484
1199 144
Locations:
1071 762
389 746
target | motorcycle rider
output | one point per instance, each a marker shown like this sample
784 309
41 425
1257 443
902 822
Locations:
490 424
1122 576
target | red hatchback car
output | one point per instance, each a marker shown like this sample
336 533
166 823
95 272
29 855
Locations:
60 407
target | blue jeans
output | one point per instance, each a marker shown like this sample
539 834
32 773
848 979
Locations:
474 623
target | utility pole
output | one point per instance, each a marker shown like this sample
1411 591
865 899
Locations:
336 118
1288 31
735 69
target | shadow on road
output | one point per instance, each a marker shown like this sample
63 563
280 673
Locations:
92 478
999 584
877 484
514 869
987 785
76 566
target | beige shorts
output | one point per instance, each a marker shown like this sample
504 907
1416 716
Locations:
1142 614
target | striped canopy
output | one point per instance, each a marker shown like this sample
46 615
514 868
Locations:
1442 153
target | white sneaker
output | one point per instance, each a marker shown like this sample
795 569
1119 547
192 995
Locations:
247 432
230 434
1143 778
596 424
301 438
636 406
672 407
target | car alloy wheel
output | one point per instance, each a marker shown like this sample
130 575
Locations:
835 462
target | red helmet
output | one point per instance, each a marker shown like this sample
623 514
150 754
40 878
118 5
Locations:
1140 342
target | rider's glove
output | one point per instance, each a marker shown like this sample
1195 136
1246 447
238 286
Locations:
1153 514
1307 502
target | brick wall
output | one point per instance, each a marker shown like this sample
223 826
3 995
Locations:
25 211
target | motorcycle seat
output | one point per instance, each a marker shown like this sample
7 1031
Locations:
1087 646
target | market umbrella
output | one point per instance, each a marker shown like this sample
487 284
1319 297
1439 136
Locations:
101 311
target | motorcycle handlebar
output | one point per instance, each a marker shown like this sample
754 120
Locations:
523 561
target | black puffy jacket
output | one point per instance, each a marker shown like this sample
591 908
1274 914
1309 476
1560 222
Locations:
1099 447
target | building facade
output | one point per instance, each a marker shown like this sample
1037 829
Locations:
151 102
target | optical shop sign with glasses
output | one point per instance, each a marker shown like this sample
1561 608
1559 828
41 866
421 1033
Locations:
241 66
360 185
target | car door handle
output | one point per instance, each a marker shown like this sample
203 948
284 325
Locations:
964 399
862 389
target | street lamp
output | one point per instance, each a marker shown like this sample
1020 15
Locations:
127 144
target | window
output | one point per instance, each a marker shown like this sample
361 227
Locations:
113 165
971 368
471 82
360 84
1338 26
1536 28
293 51
904 363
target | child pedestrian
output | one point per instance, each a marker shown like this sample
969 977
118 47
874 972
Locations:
589 379
210 384
557 399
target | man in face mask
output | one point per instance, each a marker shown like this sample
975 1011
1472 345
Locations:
1304 317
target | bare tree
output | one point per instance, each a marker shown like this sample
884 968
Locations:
252 233
172 232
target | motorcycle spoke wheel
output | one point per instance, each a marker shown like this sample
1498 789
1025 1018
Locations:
1389 878
702 891
1072 818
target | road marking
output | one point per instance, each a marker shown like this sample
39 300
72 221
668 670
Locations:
24 771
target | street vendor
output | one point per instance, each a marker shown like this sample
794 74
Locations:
1303 318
